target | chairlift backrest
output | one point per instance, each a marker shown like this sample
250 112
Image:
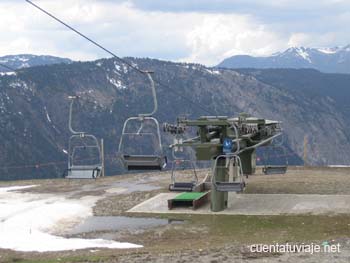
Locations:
275 168
81 141
180 163
140 161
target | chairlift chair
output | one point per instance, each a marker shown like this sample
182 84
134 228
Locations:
237 185
153 161
178 162
231 158
78 142
270 169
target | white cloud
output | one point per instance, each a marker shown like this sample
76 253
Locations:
298 39
215 37
130 29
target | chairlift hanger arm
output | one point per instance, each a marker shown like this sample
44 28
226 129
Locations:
261 143
154 95
72 98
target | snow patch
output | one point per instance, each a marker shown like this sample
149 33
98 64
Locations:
125 69
26 220
47 115
213 71
116 83
15 188
11 73
23 59
302 53
327 50
24 65
117 66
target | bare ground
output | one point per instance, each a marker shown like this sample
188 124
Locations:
205 238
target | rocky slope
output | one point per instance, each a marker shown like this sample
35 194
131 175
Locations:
34 108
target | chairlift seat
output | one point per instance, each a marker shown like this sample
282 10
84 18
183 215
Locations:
84 172
182 186
275 169
144 162
230 186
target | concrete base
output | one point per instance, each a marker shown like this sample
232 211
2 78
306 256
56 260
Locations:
256 204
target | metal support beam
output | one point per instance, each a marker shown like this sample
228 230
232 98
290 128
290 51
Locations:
218 200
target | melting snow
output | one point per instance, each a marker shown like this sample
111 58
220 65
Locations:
26 220
125 69
213 71
47 115
328 50
117 83
301 52
23 59
7 73
117 67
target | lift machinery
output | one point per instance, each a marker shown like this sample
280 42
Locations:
230 143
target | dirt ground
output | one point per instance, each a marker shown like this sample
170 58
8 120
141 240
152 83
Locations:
203 238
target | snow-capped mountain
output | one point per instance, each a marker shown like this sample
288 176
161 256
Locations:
330 60
26 61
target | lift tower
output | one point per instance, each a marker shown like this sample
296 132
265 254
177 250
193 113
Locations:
230 143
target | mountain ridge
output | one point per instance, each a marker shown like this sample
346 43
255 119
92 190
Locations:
20 61
328 60
34 108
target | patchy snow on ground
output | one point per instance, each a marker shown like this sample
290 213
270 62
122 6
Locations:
7 73
117 83
27 221
212 71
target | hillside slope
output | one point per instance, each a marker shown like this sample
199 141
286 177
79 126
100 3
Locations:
34 109
27 60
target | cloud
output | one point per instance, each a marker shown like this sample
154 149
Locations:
203 31
216 37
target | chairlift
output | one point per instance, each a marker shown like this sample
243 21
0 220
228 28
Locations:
143 161
281 168
234 163
237 183
181 163
82 142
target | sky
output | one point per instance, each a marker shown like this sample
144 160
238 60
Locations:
200 31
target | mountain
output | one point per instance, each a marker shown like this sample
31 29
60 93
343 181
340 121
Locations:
329 60
34 108
26 61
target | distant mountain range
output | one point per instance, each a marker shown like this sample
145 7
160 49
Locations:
26 61
329 60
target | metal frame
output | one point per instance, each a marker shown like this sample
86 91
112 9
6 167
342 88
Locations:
89 171
181 186
144 162
275 169
228 186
